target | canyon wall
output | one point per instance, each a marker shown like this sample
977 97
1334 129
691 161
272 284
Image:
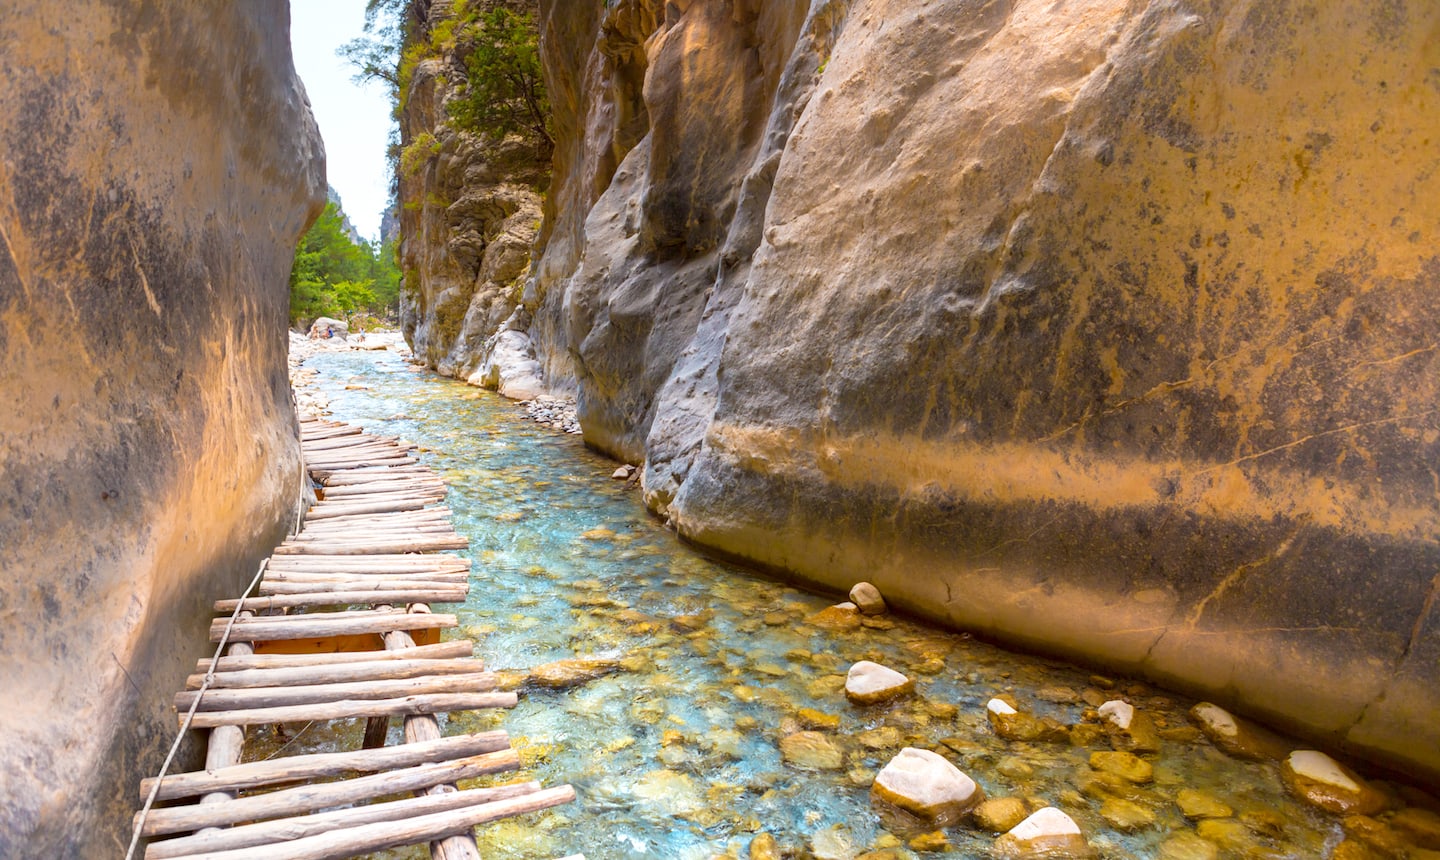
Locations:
158 162
469 214
1102 327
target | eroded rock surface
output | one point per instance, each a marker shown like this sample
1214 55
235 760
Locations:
1107 330
158 162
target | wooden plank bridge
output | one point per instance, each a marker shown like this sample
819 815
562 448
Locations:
302 648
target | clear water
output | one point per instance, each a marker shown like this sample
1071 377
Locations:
677 755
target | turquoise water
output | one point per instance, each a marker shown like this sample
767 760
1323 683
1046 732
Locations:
676 753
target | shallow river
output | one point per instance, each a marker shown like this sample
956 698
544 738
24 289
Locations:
677 754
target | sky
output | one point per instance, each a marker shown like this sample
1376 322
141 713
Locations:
353 119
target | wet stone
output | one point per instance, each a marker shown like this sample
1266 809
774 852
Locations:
1125 765
999 814
1420 826
1126 815
1045 834
1015 725
811 750
1319 779
935 840
841 616
927 785
1234 736
764 847
833 843
1188 846
869 683
1199 804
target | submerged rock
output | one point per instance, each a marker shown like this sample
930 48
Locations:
1000 814
1047 833
1199 804
1321 780
841 616
1015 725
811 750
1127 766
927 785
572 671
870 683
1235 736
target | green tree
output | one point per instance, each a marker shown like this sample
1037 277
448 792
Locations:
332 275
504 91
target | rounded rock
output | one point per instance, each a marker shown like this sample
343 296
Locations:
928 785
1321 780
869 683
999 814
1046 833
867 598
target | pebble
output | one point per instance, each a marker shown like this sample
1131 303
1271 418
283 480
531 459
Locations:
841 616
1420 826
1319 779
999 814
1198 804
1188 846
1234 736
1119 713
1046 833
1126 815
764 847
927 785
867 598
869 683
833 843
811 750
1127 766
623 473
936 840
1015 725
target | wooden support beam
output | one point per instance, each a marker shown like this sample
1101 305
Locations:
305 798
346 598
416 545
260 773
337 510
348 708
342 840
338 673
252 698
318 626
443 651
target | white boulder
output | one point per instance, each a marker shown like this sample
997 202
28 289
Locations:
868 683
928 785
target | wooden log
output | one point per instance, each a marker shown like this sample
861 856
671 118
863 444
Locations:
361 582
225 745
305 798
349 446
453 649
346 441
434 703
369 838
328 433
395 505
316 694
355 534
253 835
377 548
367 670
318 627
378 561
368 487
448 576
340 464
354 477
346 598
238 777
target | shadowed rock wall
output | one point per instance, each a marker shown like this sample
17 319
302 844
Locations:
158 162
1105 328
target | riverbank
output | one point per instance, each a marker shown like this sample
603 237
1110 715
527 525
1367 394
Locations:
702 711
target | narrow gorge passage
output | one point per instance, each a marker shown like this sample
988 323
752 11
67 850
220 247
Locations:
700 710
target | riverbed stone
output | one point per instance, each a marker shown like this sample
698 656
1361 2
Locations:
1045 833
835 842
869 683
623 473
1236 736
1000 814
811 750
841 616
572 671
1420 826
1232 837
934 841
1126 815
927 785
867 598
1194 803
1324 782
1016 725
764 847
1188 845
1118 713
813 719
1125 765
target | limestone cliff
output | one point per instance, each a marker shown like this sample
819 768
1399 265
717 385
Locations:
470 210
1102 327
158 162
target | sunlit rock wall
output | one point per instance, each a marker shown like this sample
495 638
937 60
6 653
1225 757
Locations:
470 211
1107 328
158 162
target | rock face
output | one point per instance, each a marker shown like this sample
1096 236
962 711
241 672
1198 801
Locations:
158 163
470 210
1109 332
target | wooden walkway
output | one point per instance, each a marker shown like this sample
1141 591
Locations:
340 628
